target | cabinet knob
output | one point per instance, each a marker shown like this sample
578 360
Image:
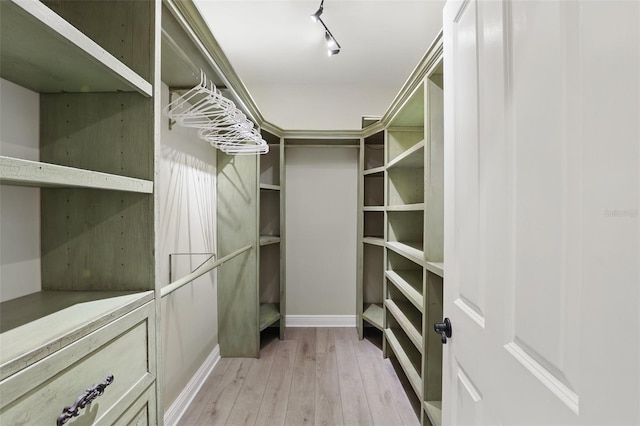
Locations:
83 400
443 329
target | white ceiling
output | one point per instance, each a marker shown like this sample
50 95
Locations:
276 48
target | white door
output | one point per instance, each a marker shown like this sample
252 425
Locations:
542 186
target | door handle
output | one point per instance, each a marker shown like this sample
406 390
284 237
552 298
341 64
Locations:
443 329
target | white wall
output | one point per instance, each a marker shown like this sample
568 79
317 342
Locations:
186 189
321 224
19 206
321 107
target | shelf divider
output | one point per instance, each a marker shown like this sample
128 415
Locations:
433 409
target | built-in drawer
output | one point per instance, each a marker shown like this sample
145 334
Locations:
142 412
123 348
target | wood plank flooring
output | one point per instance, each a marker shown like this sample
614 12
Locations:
316 376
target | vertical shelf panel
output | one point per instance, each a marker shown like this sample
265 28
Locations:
238 304
434 185
432 360
110 133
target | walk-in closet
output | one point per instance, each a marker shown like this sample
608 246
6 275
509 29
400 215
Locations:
207 217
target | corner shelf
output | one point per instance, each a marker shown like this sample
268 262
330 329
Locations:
436 268
14 171
433 409
269 314
269 187
266 240
35 38
374 314
374 241
406 207
374 171
412 158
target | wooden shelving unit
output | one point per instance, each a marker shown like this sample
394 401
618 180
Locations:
271 288
94 72
414 213
370 287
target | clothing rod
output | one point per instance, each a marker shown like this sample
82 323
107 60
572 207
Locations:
321 146
197 273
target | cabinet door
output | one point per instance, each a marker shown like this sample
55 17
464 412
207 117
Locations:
542 232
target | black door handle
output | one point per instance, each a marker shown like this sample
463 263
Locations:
443 329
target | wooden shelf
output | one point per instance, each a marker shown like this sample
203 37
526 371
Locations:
374 171
34 326
410 284
269 239
269 314
406 207
373 314
433 409
16 171
268 187
44 53
405 362
374 241
373 208
411 250
407 319
435 267
412 158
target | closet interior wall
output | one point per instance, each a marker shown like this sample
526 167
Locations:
321 209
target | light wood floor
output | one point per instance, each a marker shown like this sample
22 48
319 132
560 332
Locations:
316 376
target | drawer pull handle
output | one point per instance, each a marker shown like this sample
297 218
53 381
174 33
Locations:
83 400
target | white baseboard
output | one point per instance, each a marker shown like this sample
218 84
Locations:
177 409
321 320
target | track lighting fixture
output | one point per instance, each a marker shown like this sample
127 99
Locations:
333 47
316 16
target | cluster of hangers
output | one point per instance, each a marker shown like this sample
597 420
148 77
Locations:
220 122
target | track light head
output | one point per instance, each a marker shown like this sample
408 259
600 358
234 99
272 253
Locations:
332 44
316 16
333 47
